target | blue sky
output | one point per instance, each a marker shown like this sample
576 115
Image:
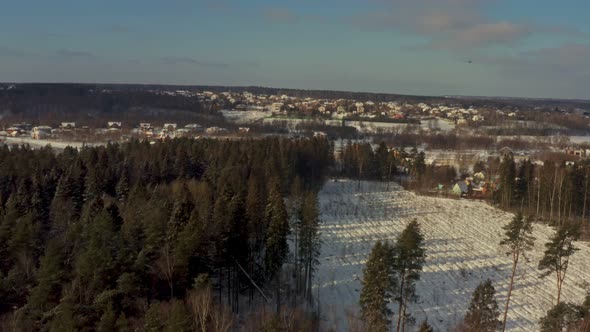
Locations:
519 47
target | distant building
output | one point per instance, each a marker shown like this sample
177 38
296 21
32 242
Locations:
68 125
215 130
193 127
276 107
182 132
12 131
41 132
170 126
114 125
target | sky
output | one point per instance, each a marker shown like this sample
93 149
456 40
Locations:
522 48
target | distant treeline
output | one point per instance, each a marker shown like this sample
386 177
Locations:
520 103
86 104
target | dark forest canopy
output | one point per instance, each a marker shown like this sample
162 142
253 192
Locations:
126 232
86 104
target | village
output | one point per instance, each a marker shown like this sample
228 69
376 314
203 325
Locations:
248 116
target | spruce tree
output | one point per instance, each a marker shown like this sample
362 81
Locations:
378 286
276 239
518 239
482 314
278 229
122 188
309 241
409 258
558 252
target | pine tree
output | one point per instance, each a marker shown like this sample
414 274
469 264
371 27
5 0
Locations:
378 286
64 317
107 320
409 259
518 238
483 311
122 325
179 319
419 168
309 241
181 212
558 251
152 319
507 181
50 276
561 317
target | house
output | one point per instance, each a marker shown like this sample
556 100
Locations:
276 107
460 188
244 129
145 126
41 132
170 126
215 130
114 125
182 132
193 127
68 125
12 131
479 176
575 152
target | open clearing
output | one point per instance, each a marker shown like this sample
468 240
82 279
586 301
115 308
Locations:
462 242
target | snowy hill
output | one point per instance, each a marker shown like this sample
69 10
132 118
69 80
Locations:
462 247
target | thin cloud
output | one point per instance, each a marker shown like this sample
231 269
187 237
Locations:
14 53
280 15
173 60
570 62
453 24
76 54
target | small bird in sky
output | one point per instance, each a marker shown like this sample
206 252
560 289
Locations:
469 61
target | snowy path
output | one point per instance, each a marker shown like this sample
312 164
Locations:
462 243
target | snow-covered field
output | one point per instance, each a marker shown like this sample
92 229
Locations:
244 117
40 143
462 242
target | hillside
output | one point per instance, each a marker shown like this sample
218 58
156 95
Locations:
462 250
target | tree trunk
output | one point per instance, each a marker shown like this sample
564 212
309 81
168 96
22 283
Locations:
552 197
585 196
509 293
404 315
538 195
401 303
278 292
309 277
297 272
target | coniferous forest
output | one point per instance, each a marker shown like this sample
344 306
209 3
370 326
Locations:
175 235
